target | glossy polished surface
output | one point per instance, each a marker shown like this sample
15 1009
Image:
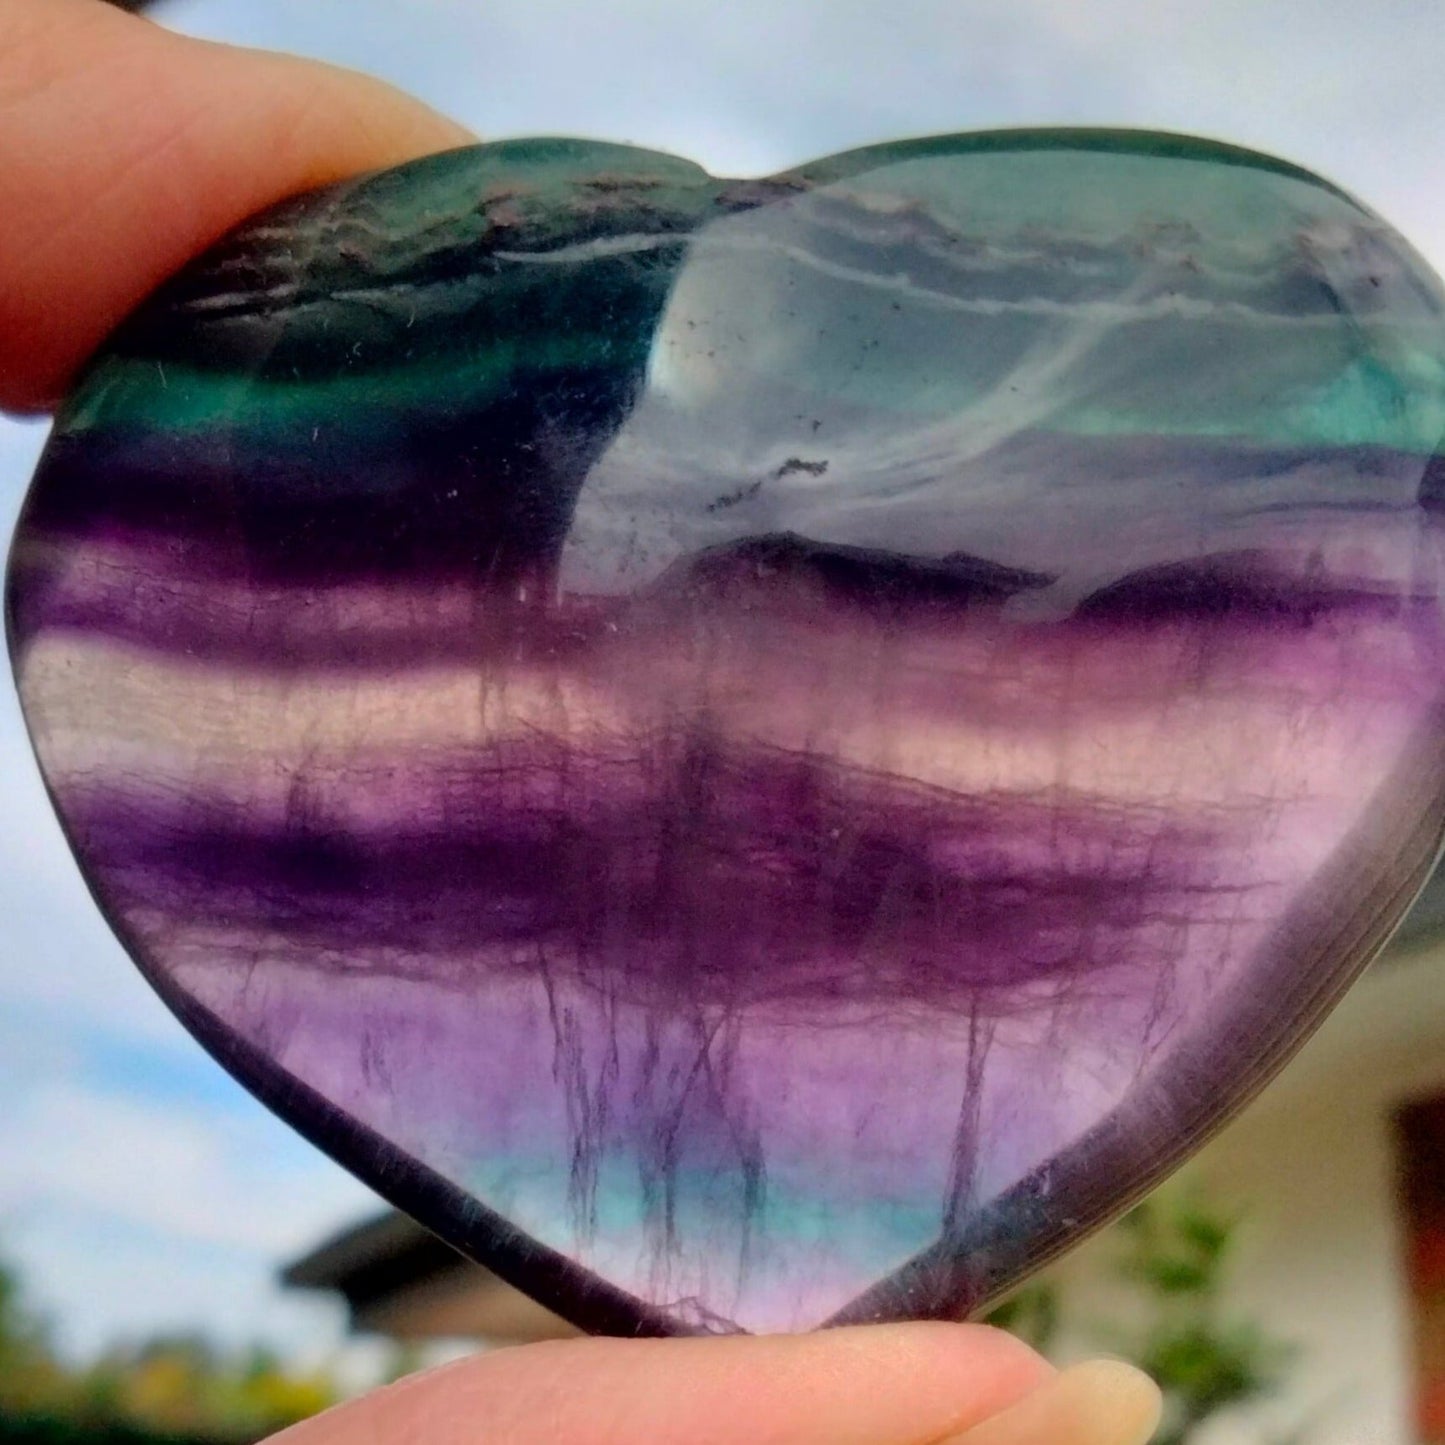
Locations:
757 753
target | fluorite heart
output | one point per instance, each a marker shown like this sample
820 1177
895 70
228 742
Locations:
757 753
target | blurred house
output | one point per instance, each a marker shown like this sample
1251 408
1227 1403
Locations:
400 1281
1338 1168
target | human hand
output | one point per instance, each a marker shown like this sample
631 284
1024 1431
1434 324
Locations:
124 150
921 1384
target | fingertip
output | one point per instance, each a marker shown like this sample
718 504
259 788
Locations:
126 149
1101 1402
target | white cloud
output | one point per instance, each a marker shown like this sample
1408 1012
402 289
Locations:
131 1218
208 1177
102 1282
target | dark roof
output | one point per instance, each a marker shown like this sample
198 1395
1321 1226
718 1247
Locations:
400 1280
375 1259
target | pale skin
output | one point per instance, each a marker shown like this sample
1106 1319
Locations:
124 150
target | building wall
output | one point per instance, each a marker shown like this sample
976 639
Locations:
1320 1257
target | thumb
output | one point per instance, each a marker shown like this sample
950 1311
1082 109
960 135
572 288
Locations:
876 1385
1102 1403
125 149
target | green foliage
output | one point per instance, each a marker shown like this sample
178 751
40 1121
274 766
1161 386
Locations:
170 1391
1176 1251
1172 1256
406 1359
46 1429
1208 1368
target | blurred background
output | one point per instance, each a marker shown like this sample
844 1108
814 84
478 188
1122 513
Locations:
176 1265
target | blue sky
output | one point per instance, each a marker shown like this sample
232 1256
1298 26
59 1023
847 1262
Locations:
139 1188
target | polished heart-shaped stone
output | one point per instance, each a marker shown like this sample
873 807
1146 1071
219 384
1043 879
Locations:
757 753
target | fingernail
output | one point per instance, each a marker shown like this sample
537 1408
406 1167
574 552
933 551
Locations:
1104 1402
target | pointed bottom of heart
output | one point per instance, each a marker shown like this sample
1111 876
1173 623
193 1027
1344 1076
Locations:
756 1173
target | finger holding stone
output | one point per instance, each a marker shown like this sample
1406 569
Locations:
876 1385
125 149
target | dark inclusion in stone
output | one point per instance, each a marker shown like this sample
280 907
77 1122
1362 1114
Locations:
757 753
